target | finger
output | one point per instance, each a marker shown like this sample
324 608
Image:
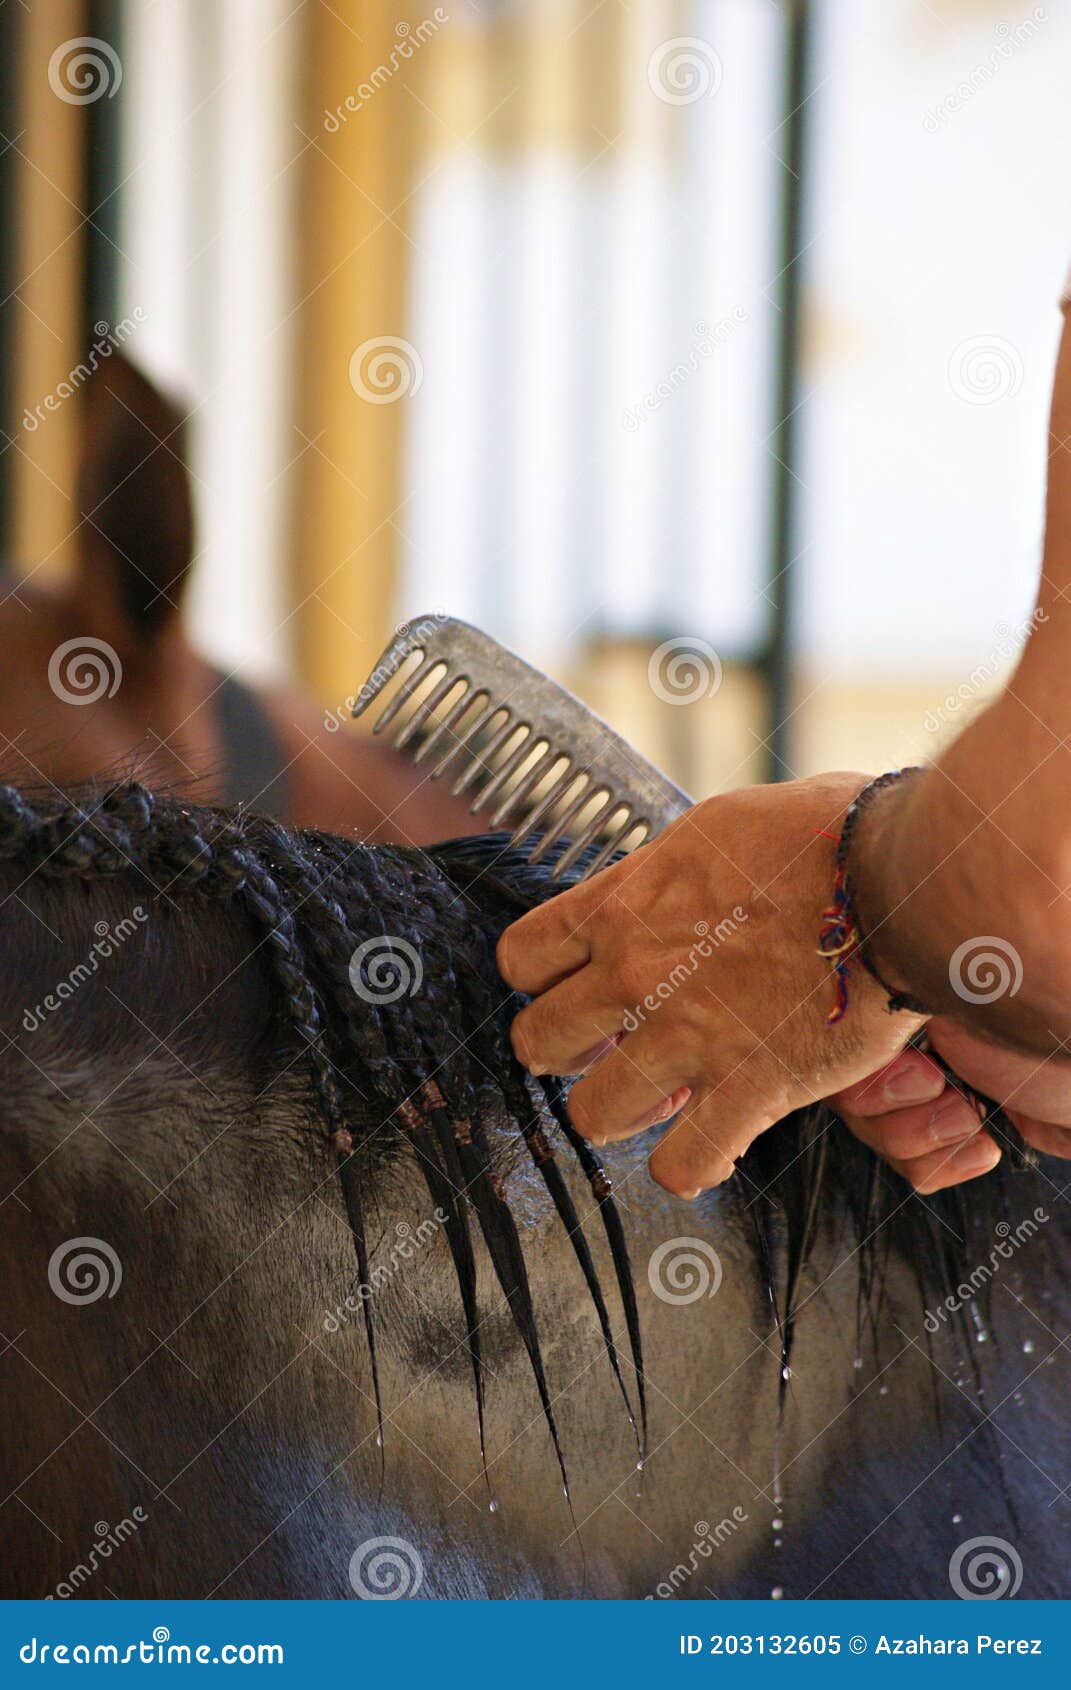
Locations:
547 944
911 1078
941 1168
1049 1138
570 1021
705 1142
616 1099
903 1134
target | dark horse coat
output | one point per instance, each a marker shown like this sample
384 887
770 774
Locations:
309 1292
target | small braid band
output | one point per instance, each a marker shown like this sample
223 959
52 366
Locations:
841 936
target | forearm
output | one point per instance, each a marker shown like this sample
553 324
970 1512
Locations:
980 845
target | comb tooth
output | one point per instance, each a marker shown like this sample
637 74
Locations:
524 787
547 802
405 692
561 826
588 837
481 718
478 770
425 708
489 793
458 708
611 845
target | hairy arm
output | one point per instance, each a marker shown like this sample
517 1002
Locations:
979 846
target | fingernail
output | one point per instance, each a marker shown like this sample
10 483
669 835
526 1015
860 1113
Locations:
953 1119
671 1105
976 1157
914 1085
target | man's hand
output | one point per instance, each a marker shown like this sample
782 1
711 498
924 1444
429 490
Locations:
925 1128
688 974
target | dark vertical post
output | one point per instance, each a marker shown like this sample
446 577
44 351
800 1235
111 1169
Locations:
784 439
100 282
10 15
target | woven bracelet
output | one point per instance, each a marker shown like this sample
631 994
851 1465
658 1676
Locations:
841 936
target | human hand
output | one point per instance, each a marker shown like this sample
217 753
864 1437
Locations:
686 979
923 1125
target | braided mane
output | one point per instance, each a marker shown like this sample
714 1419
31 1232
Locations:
427 1070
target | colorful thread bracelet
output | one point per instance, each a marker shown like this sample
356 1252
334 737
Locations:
841 936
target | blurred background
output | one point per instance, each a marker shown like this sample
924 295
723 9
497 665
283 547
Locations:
699 349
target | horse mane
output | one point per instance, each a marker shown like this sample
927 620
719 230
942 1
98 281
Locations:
382 964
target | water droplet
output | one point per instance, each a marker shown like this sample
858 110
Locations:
776 1593
1018 1399
1028 1346
981 1335
777 1543
786 1373
883 1390
957 1519
492 1506
639 1466
777 1523
857 1363
379 1440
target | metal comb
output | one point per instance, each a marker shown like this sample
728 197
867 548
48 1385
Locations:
599 784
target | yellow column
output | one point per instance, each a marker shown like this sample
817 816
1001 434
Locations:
355 364
48 304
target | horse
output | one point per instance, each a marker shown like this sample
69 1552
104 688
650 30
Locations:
312 1292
